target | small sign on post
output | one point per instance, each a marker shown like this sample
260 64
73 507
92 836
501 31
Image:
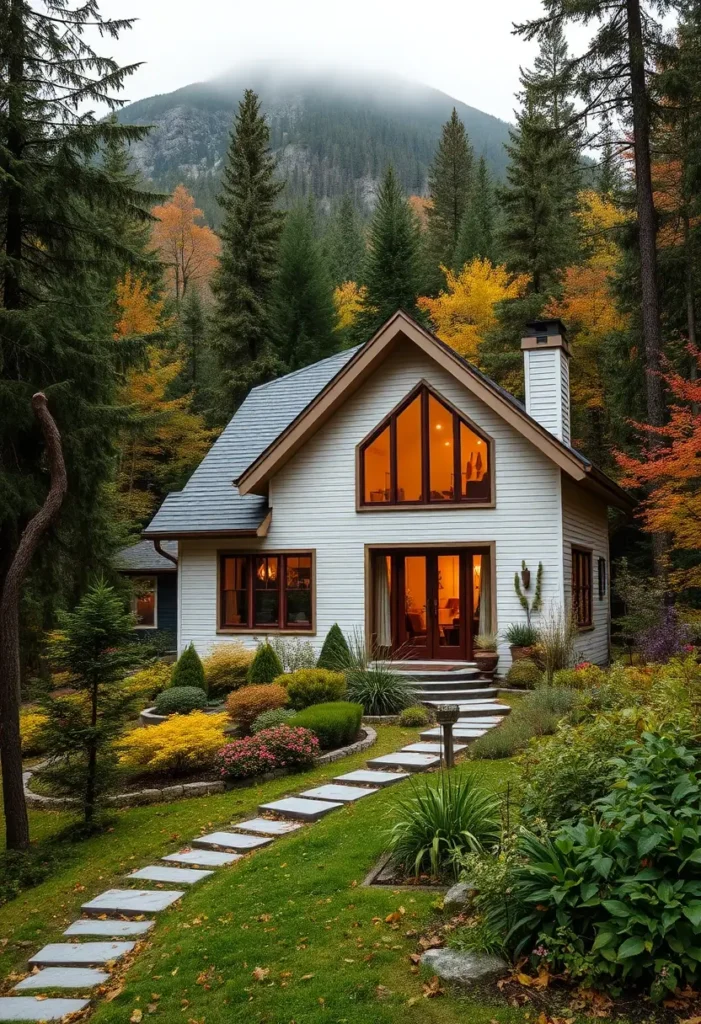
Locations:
447 715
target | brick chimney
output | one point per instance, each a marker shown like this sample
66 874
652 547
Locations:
546 359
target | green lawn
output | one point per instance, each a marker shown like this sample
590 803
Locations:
285 935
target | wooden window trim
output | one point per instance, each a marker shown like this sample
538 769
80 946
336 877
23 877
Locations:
585 624
423 389
154 579
263 630
603 580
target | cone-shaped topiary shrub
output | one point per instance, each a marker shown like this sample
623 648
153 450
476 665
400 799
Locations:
188 670
265 666
334 653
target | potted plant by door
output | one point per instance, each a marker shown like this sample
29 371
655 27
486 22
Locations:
485 655
521 638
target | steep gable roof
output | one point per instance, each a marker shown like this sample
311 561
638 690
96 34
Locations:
210 503
365 360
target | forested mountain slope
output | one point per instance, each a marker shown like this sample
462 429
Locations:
331 134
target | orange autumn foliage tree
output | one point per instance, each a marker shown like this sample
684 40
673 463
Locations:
586 304
466 310
669 468
188 249
163 440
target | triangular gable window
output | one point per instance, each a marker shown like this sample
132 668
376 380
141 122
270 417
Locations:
425 453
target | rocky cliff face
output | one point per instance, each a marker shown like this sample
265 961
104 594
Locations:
330 134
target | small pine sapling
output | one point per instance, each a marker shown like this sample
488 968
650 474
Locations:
265 667
335 654
189 670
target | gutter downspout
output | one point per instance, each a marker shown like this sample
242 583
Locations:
164 554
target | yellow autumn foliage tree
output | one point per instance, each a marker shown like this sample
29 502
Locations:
587 304
163 440
466 310
348 299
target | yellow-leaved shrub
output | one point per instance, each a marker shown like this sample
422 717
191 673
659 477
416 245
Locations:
226 667
149 682
185 743
32 725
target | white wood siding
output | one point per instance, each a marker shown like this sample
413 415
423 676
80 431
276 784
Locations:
313 501
585 525
547 378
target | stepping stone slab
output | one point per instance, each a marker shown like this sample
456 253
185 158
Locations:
268 827
431 748
231 841
63 977
412 762
132 902
86 954
460 734
304 810
30 1008
183 876
203 858
365 776
346 794
109 929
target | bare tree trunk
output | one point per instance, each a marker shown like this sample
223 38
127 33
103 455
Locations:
647 238
16 822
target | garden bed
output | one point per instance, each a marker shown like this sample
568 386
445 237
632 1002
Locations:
388 875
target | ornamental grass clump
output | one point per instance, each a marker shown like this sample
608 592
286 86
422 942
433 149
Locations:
380 690
180 746
282 747
188 670
444 819
244 705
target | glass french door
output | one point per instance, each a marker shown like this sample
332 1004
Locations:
431 604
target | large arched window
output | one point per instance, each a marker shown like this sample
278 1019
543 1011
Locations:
425 453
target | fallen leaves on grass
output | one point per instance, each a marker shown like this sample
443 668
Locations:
260 973
136 1016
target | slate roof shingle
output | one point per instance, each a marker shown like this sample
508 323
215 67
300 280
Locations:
210 502
143 557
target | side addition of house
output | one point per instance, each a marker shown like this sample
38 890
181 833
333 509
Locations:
394 489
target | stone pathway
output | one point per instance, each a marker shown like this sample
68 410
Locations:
81 966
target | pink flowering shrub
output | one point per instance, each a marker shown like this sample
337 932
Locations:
280 747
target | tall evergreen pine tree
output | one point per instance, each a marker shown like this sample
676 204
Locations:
250 236
345 243
477 230
392 270
59 260
449 185
304 311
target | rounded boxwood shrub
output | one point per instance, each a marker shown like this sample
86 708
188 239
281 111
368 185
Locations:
188 670
180 700
268 719
265 667
415 715
335 654
313 686
524 673
246 704
334 725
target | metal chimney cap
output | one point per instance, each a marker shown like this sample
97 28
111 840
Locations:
549 327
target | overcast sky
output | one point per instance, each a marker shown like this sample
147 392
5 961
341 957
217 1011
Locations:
464 47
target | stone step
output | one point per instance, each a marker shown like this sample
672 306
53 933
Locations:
411 762
363 776
62 977
108 929
202 858
236 841
346 794
462 735
159 873
29 1008
455 696
80 954
432 748
299 809
450 684
478 709
470 675
267 826
132 902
